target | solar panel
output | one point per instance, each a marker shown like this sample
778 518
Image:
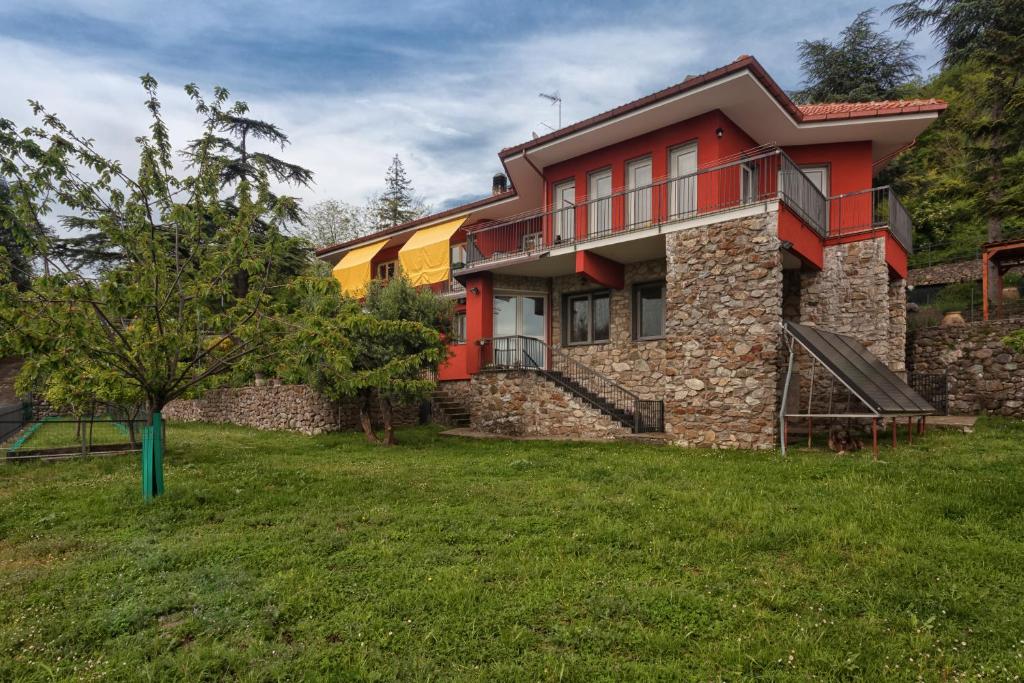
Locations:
864 374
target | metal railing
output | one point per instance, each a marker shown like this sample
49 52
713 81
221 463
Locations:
13 417
748 180
518 352
450 287
934 388
878 207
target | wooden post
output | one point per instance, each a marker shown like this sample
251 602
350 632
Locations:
810 430
894 432
924 423
875 438
910 431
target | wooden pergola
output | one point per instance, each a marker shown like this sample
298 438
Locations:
1003 256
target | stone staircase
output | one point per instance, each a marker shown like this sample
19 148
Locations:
620 415
453 411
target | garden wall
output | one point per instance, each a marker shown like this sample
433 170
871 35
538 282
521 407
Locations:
289 407
984 375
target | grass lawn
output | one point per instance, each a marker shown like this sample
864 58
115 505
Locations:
57 434
275 556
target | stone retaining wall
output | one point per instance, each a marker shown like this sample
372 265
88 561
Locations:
946 273
984 375
525 403
290 407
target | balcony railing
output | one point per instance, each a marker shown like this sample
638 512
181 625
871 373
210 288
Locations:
878 207
751 179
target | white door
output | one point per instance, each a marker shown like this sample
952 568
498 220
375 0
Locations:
520 330
638 193
818 176
682 165
599 205
564 212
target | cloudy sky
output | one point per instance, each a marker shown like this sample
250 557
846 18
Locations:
443 83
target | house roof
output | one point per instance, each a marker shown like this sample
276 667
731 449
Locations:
800 113
849 110
809 113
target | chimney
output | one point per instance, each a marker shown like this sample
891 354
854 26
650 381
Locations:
500 184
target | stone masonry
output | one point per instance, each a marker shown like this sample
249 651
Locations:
290 407
524 403
946 273
852 295
984 375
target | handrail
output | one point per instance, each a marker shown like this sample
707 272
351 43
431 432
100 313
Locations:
519 352
750 179
876 207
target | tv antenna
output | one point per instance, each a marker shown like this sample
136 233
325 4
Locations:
554 98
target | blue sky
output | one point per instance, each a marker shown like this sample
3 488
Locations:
443 83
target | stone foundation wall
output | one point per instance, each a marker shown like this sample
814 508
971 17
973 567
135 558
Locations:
723 333
294 407
852 295
524 403
984 375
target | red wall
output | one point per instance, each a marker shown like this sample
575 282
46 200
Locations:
849 170
656 144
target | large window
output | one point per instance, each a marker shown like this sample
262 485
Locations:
649 311
588 318
458 255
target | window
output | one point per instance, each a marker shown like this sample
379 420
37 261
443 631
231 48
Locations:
682 196
588 318
458 255
564 211
649 311
387 270
459 328
639 175
749 175
599 207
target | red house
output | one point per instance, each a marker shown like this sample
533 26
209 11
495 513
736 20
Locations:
637 273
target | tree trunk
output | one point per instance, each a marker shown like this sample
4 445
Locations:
364 416
387 415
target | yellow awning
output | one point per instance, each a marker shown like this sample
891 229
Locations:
353 270
426 257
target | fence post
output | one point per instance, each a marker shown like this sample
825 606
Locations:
153 458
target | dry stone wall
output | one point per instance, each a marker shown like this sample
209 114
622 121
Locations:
946 273
289 407
525 403
983 374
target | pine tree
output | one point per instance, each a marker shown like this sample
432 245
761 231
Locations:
398 203
864 65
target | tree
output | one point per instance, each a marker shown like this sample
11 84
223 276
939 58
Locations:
332 222
383 349
983 41
165 318
14 247
397 203
864 65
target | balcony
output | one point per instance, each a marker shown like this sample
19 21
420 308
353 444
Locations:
868 210
756 177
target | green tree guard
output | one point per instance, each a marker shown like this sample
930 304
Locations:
153 458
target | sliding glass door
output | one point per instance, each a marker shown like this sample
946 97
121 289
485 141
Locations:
520 330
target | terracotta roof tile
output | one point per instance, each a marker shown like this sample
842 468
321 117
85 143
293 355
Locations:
845 110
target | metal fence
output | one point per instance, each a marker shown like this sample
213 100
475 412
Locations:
62 436
13 416
934 388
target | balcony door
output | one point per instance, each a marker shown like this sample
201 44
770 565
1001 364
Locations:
564 212
520 330
682 165
599 206
639 174
818 175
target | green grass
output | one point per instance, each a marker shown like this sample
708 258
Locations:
274 556
58 434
